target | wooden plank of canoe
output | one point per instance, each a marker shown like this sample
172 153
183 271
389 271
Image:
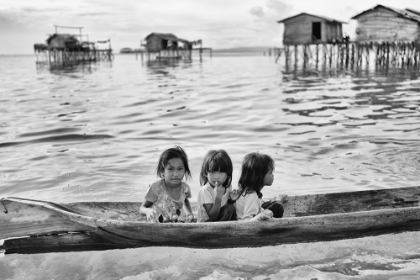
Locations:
296 206
30 217
113 234
347 202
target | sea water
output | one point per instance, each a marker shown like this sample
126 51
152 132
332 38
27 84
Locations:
94 132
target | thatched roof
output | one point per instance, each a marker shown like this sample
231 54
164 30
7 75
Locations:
321 17
407 13
167 36
67 38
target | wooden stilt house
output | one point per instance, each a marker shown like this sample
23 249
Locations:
167 45
165 41
306 29
385 24
61 41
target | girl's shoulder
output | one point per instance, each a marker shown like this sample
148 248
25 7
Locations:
157 185
206 189
185 185
249 195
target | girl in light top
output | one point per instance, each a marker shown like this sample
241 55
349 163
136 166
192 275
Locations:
215 179
257 172
165 198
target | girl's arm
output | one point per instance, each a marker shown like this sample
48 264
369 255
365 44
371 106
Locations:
151 214
252 210
213 209
187 207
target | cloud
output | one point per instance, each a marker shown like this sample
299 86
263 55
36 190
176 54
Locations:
257 11
273 11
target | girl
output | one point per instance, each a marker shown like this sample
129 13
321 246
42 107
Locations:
257 172
165 198
215 179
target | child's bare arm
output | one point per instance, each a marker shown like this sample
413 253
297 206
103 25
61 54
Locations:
213 209
151 214
188 210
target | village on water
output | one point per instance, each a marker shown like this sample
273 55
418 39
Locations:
387 35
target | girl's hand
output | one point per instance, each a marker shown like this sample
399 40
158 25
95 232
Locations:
175 218
189 218
282 198
152 216
234 195
220 190
264 215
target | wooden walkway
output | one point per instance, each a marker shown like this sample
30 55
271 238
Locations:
351 54
172 54
63 56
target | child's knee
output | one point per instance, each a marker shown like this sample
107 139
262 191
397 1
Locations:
275 207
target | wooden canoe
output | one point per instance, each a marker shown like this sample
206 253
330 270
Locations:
33 226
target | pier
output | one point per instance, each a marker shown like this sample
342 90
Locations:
350 54
172 54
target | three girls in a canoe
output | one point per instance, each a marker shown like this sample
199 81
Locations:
216 182
165 198
216 201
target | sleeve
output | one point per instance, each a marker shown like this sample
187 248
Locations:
251 207
205 197
151 194
187 191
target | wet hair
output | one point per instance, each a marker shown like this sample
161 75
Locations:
216 160
254 168
167 155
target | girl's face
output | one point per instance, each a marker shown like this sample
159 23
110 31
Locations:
216 176
269 178
174 172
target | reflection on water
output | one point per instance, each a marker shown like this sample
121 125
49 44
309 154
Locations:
66 68
94 132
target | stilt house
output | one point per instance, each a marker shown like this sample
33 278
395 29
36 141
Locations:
385 24
156 42
61 41
306 29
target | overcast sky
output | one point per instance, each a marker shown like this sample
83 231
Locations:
219 23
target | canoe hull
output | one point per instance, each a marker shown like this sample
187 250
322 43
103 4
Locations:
40 226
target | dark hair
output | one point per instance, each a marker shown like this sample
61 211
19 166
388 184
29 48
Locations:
175 152
254 168
216 160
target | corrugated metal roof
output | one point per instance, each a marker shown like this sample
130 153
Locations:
407 13
167 36
321 17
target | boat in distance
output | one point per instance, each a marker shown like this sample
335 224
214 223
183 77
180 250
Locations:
35 226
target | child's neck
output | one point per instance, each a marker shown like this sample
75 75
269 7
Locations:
169 185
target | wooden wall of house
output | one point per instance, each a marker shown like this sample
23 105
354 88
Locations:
334 31
298 30
154 44
384 25
57 43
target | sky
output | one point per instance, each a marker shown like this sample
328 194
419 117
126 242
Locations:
218 23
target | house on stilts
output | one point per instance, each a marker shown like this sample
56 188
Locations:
63 47
306 28
311 37
165 46
393 35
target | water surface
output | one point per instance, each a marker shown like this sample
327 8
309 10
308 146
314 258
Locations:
94 132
